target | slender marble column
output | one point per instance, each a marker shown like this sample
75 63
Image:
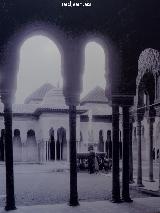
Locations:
125 162
115 155
151 121
73 157
55 138
130 153
10 198
139 166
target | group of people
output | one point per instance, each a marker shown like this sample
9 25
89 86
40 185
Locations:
95 163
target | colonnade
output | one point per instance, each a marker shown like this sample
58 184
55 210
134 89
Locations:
73 64
10 201
150 120
117 196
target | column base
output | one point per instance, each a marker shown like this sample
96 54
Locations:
140 185
127 199
151 180
9 208
116 200
73 203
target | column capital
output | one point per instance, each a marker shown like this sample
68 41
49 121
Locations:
7 98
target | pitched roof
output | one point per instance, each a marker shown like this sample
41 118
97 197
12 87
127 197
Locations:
21 108
97 95
39 93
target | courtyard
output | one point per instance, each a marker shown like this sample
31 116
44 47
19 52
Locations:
37 184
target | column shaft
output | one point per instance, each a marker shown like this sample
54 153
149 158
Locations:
115 154
150 149
10 199
139 168
73 157
130 153
125 162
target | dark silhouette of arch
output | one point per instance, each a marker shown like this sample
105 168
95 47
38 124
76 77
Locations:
17 146
101 141
61 142
81 136
31 133
31 146
109 144
16 132
146 89
52 144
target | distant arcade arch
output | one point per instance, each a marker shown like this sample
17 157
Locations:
101 141
61 144
51 149
17 146
31 146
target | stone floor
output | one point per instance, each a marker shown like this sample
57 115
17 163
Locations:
49 184
139 205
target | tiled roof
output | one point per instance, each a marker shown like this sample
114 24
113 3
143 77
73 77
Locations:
21 108
39 93
100 109
97 95
36 108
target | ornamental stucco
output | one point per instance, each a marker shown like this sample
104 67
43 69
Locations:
149 61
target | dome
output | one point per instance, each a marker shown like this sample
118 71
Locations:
54 97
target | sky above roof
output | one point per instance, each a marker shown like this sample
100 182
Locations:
40 62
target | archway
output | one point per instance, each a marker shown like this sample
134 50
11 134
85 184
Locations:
101 141
17 146
61 144
146 94
109 144
93 96
52 144
38 55
31 146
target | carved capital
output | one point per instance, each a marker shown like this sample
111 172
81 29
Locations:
7 98
72 100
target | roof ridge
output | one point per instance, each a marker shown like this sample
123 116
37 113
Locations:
39 93
97 94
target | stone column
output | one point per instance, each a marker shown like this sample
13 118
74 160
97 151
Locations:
125 157
73 157
139 157
10 199
150 122
55 138
130 153
115 154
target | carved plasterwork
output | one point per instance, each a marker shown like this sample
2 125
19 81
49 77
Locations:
149 61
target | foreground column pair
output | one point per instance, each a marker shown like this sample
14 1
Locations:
10 199
115 154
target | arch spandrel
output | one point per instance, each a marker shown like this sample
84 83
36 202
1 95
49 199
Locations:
148 69
149 62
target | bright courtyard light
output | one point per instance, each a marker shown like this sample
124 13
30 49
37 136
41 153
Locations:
40 62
